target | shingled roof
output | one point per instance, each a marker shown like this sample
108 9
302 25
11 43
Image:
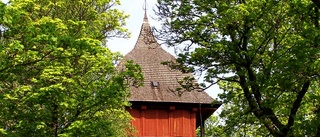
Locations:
159 80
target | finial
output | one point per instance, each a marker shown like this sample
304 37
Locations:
145 8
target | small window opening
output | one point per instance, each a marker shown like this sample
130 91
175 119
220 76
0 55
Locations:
154 84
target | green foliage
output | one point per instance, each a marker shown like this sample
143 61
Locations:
57 78
212 127
264 55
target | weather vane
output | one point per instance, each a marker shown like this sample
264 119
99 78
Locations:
145 7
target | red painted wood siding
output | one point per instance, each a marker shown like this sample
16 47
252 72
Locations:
164 123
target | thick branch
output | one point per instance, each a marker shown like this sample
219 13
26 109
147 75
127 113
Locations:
263 113
317 2
256 109
296 105
68 123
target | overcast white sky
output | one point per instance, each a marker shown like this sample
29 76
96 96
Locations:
134 9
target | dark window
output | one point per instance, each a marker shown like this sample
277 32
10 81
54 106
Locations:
154 84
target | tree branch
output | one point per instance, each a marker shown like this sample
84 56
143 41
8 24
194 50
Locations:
296 105
27 63
317 2
265 115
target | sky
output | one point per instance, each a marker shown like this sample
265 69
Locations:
134 8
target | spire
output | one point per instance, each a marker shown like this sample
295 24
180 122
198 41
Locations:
145 8
146 38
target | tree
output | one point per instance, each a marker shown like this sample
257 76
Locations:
212 127
264 55
57 78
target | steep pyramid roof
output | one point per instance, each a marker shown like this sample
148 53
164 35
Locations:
159 80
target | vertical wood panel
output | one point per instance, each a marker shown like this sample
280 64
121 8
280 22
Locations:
150 122
193 123
186 123
171 125
153 122
163 123
177 122
142 121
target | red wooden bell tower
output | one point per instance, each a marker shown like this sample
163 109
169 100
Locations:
158 110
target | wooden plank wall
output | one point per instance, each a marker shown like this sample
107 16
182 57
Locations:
164 123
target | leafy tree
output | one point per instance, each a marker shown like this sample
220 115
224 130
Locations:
57 78
212 127
264 55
